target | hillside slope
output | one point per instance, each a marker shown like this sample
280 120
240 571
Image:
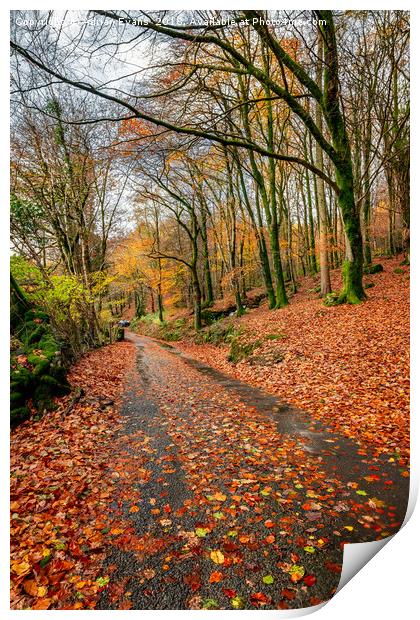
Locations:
347 365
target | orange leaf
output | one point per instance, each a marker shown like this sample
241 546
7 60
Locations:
30 587
42 603
21 568
215 577
307 506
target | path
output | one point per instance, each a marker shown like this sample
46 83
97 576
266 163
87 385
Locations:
229 499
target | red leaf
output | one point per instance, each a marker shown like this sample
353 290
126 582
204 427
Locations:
310 580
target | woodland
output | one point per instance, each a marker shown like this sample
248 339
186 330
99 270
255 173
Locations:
236 184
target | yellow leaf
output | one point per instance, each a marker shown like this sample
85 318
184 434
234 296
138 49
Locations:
217 557
42 590
22 568
116 531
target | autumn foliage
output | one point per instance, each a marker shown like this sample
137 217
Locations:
348 367
59 490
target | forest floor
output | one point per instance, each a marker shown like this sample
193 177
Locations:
173 485
347 366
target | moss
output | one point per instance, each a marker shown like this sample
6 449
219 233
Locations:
59 387
48 346
398 270
19 414
240 350
36 358
16 397
352 292
333 299
20 377
371 269
36 334
218 333
41 366
275 336
42 397
120 334
33 313
317 289
42 377
369 284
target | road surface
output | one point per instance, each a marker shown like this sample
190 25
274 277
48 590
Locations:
228 498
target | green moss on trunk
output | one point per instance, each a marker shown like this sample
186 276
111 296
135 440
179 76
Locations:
352 291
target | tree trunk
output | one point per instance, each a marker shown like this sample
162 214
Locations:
207 271
197 301
366 188
322 206
312 254
352 291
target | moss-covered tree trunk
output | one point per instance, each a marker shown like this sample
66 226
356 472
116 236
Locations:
281 295
266 271
197 301
352 291
139 304
160 303
209 299
19 303
231 232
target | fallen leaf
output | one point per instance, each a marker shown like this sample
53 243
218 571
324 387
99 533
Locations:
296 573
309 580
217 557
268 579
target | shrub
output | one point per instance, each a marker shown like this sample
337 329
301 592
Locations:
172 330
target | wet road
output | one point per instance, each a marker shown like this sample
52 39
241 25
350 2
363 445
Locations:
228 498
